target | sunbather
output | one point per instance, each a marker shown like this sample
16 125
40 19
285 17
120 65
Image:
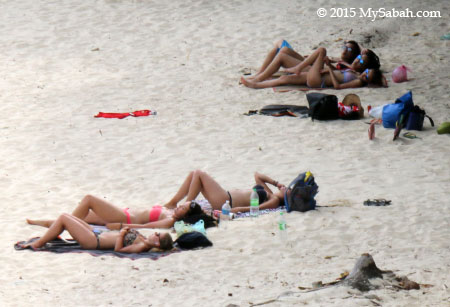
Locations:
364 70
94 210
350 50
200 182
125 241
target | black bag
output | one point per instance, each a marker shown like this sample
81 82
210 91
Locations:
299 195
322 106
416 118
192 240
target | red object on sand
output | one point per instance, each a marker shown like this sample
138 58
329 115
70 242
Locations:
123 115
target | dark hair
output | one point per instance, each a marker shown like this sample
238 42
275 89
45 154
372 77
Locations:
356 50
165 241
196 213
373 60
377 78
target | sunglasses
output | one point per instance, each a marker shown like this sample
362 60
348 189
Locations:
346 48
366 73
361 61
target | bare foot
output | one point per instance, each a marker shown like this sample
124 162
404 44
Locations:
39 223
248 83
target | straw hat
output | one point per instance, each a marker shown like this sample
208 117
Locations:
351 99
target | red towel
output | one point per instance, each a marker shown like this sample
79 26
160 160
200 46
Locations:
123 115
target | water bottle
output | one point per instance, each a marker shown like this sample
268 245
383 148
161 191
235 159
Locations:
225 214
282 227
254 204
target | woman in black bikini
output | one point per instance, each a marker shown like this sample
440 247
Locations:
200 182
89 237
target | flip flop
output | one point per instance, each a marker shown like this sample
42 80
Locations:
398 127
371 131
410 135
377 202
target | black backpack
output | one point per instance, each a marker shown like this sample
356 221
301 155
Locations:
301 193
322 106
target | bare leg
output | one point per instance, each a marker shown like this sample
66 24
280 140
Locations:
283 80
77 228
280 60
92 210
43 223
314 76
200 182
273 52
98 211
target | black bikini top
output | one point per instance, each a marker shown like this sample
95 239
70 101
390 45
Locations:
130 237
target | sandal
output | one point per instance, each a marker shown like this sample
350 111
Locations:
377 202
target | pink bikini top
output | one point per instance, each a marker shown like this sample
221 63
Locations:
155 212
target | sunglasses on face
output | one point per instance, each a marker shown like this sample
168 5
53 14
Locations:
361 61
345 48
366 74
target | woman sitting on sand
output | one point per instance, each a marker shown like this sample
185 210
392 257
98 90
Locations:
282 49
94 210
200 182
365 70
125 241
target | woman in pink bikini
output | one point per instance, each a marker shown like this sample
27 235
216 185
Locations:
97 211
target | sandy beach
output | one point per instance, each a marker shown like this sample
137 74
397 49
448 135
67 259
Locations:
63 62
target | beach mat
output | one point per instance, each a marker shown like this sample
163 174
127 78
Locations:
302 88
60 246
278 110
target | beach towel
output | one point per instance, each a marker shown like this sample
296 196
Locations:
123 115
206 206
71 246
302 88
281 110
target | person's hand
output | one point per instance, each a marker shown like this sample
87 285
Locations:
113 226
124 230
280 186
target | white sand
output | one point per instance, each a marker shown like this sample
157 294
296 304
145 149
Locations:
183 58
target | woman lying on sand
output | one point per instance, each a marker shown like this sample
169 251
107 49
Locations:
125 241
200 182
94 210
365 70
350 50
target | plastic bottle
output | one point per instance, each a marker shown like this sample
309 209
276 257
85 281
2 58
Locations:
282 227
225 215
254 204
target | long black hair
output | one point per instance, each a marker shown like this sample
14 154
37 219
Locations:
374 60
356 50
196 213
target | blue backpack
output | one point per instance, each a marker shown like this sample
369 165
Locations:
299 195
392 113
